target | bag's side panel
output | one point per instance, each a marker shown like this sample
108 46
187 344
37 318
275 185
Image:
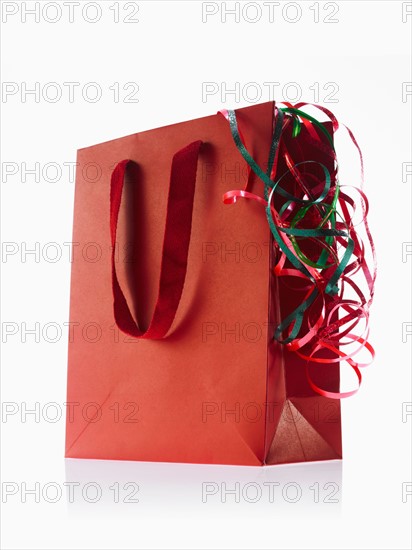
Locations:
194 396
310 424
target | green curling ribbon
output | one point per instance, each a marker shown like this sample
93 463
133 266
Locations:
296 126
327 212
273 148
296 317
319 125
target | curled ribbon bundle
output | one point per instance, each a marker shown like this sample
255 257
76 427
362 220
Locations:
311 218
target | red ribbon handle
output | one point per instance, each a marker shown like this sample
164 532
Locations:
175 244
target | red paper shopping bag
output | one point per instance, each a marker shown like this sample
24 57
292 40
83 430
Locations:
175 297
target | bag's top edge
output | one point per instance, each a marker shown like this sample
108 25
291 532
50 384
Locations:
166 126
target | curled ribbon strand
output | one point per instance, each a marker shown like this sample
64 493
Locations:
317 242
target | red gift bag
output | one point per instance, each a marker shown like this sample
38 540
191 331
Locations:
184 308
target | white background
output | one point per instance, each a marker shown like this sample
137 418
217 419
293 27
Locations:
169 53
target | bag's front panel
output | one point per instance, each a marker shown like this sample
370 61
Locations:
199 395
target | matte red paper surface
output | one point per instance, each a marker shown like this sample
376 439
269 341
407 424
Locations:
217 388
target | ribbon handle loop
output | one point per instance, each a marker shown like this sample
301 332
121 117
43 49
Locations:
175 244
